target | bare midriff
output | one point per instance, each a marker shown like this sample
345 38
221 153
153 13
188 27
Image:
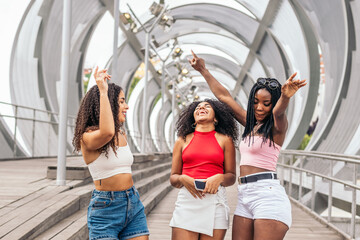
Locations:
247 170
119 182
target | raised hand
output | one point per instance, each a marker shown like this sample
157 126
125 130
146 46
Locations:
197 63
291 86
101 78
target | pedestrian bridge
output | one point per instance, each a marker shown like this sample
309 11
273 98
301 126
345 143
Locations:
51 48
32 206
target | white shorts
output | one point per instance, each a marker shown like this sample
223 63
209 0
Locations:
195 214
264 199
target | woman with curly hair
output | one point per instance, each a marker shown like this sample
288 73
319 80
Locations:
263 210
115 210
203 164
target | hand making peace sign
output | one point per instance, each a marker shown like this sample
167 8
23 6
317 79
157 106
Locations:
291 86
101 78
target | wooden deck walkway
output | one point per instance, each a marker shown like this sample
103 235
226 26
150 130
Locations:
24 177
19 178
303 227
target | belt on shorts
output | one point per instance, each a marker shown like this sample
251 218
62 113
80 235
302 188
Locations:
257 177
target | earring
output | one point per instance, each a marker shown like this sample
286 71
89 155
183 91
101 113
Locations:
193 125
216 123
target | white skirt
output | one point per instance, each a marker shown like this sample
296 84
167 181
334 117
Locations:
193 214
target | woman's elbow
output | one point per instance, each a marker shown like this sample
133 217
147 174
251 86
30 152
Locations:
107 136
174 181
231 179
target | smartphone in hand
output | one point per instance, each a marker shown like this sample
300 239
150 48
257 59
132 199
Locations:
199 185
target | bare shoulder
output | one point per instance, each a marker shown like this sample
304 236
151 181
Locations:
223 137
188 138
223 140
179 142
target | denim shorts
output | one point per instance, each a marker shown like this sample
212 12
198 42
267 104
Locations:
116 215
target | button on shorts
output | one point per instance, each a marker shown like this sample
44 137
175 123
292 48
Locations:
116 215
264 199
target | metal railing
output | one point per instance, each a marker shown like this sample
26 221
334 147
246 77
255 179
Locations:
34 116
151 144
38 116
296 169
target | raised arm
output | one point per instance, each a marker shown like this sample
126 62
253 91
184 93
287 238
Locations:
290 87
219 90
94 140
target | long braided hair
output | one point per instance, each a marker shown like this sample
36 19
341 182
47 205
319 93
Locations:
266 128
89 115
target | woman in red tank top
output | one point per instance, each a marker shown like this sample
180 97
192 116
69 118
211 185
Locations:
205 151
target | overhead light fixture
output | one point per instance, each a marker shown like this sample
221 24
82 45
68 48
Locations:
126 18
179 79
166 22
178 96
133 27
159 72
177 52
151 53
153 40
156 8
193 87
196 97
184 72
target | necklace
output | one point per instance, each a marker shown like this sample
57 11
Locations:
257 127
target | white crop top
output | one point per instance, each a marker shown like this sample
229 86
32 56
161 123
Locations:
104 167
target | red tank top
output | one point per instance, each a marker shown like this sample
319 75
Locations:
203 157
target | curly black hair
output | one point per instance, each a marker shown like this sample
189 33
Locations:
89 115
227 124
266 128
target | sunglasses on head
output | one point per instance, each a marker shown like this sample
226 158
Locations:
270 82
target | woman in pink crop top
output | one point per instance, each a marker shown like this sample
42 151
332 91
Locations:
115 210
263 210
205 151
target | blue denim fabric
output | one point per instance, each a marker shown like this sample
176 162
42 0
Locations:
116 215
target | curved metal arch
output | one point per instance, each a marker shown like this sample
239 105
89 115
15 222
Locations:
339 72
215 22
212 3
251 11
335 79
159 131
313 82
180 42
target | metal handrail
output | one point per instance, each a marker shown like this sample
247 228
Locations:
346 184
347 159
33 119
325 156
31 108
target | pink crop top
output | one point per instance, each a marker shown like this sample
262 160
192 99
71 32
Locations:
259 154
